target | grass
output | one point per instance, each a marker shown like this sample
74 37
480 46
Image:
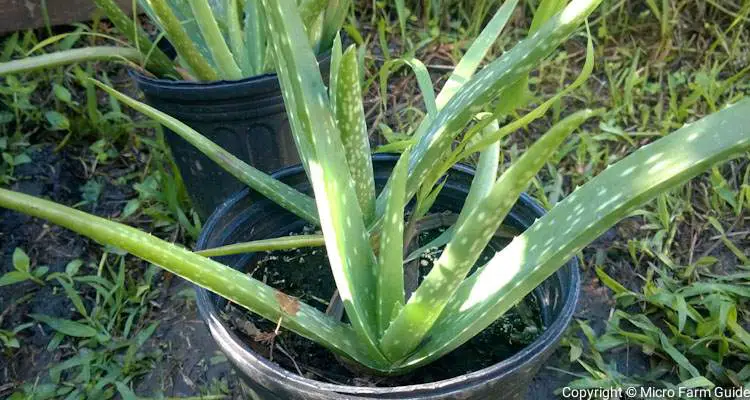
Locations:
666 292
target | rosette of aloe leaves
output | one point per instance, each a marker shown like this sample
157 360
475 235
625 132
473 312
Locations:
213 39
364 233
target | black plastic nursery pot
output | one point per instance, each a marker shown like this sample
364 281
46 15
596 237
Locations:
246 117
248 216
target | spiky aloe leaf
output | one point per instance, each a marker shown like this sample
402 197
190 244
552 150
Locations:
255 35
390 273
218 47
419 314
158 62
476 53
280 243
579 219
484 178
335 15
488 136
186 47
71 56
347 240
518 95
350 118
237 38
278 192
234 285
484 87
337 53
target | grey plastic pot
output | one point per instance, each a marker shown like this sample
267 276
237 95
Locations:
246 117
247 216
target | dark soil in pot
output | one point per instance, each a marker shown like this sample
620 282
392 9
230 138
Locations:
305 274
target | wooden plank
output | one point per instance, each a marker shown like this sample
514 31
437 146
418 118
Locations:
18 15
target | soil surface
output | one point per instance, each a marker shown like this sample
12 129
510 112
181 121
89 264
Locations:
306 275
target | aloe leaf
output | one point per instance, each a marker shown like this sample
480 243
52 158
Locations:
227 282
185 45
476 53
545 11
255 35
350 118
487 137
424 81
281 243
278 192
218 47
470 238
237 38
72 56
484 178
390 272
484 87
336 54
158 62
347 241
183 13
311 12
335 15
579 219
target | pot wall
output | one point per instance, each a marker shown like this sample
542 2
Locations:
245 117
247 216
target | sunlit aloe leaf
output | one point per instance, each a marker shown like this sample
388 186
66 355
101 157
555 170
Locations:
227 282
214 38
476 53
237 38
350 118
484 178
281 243
278 192
347 241
255 35
158 62
185 45
579 219
390 272
419 314
484 87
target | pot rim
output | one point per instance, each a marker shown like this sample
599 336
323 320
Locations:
252 85
225 338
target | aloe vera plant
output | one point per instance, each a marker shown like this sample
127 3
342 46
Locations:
389 330
214 39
